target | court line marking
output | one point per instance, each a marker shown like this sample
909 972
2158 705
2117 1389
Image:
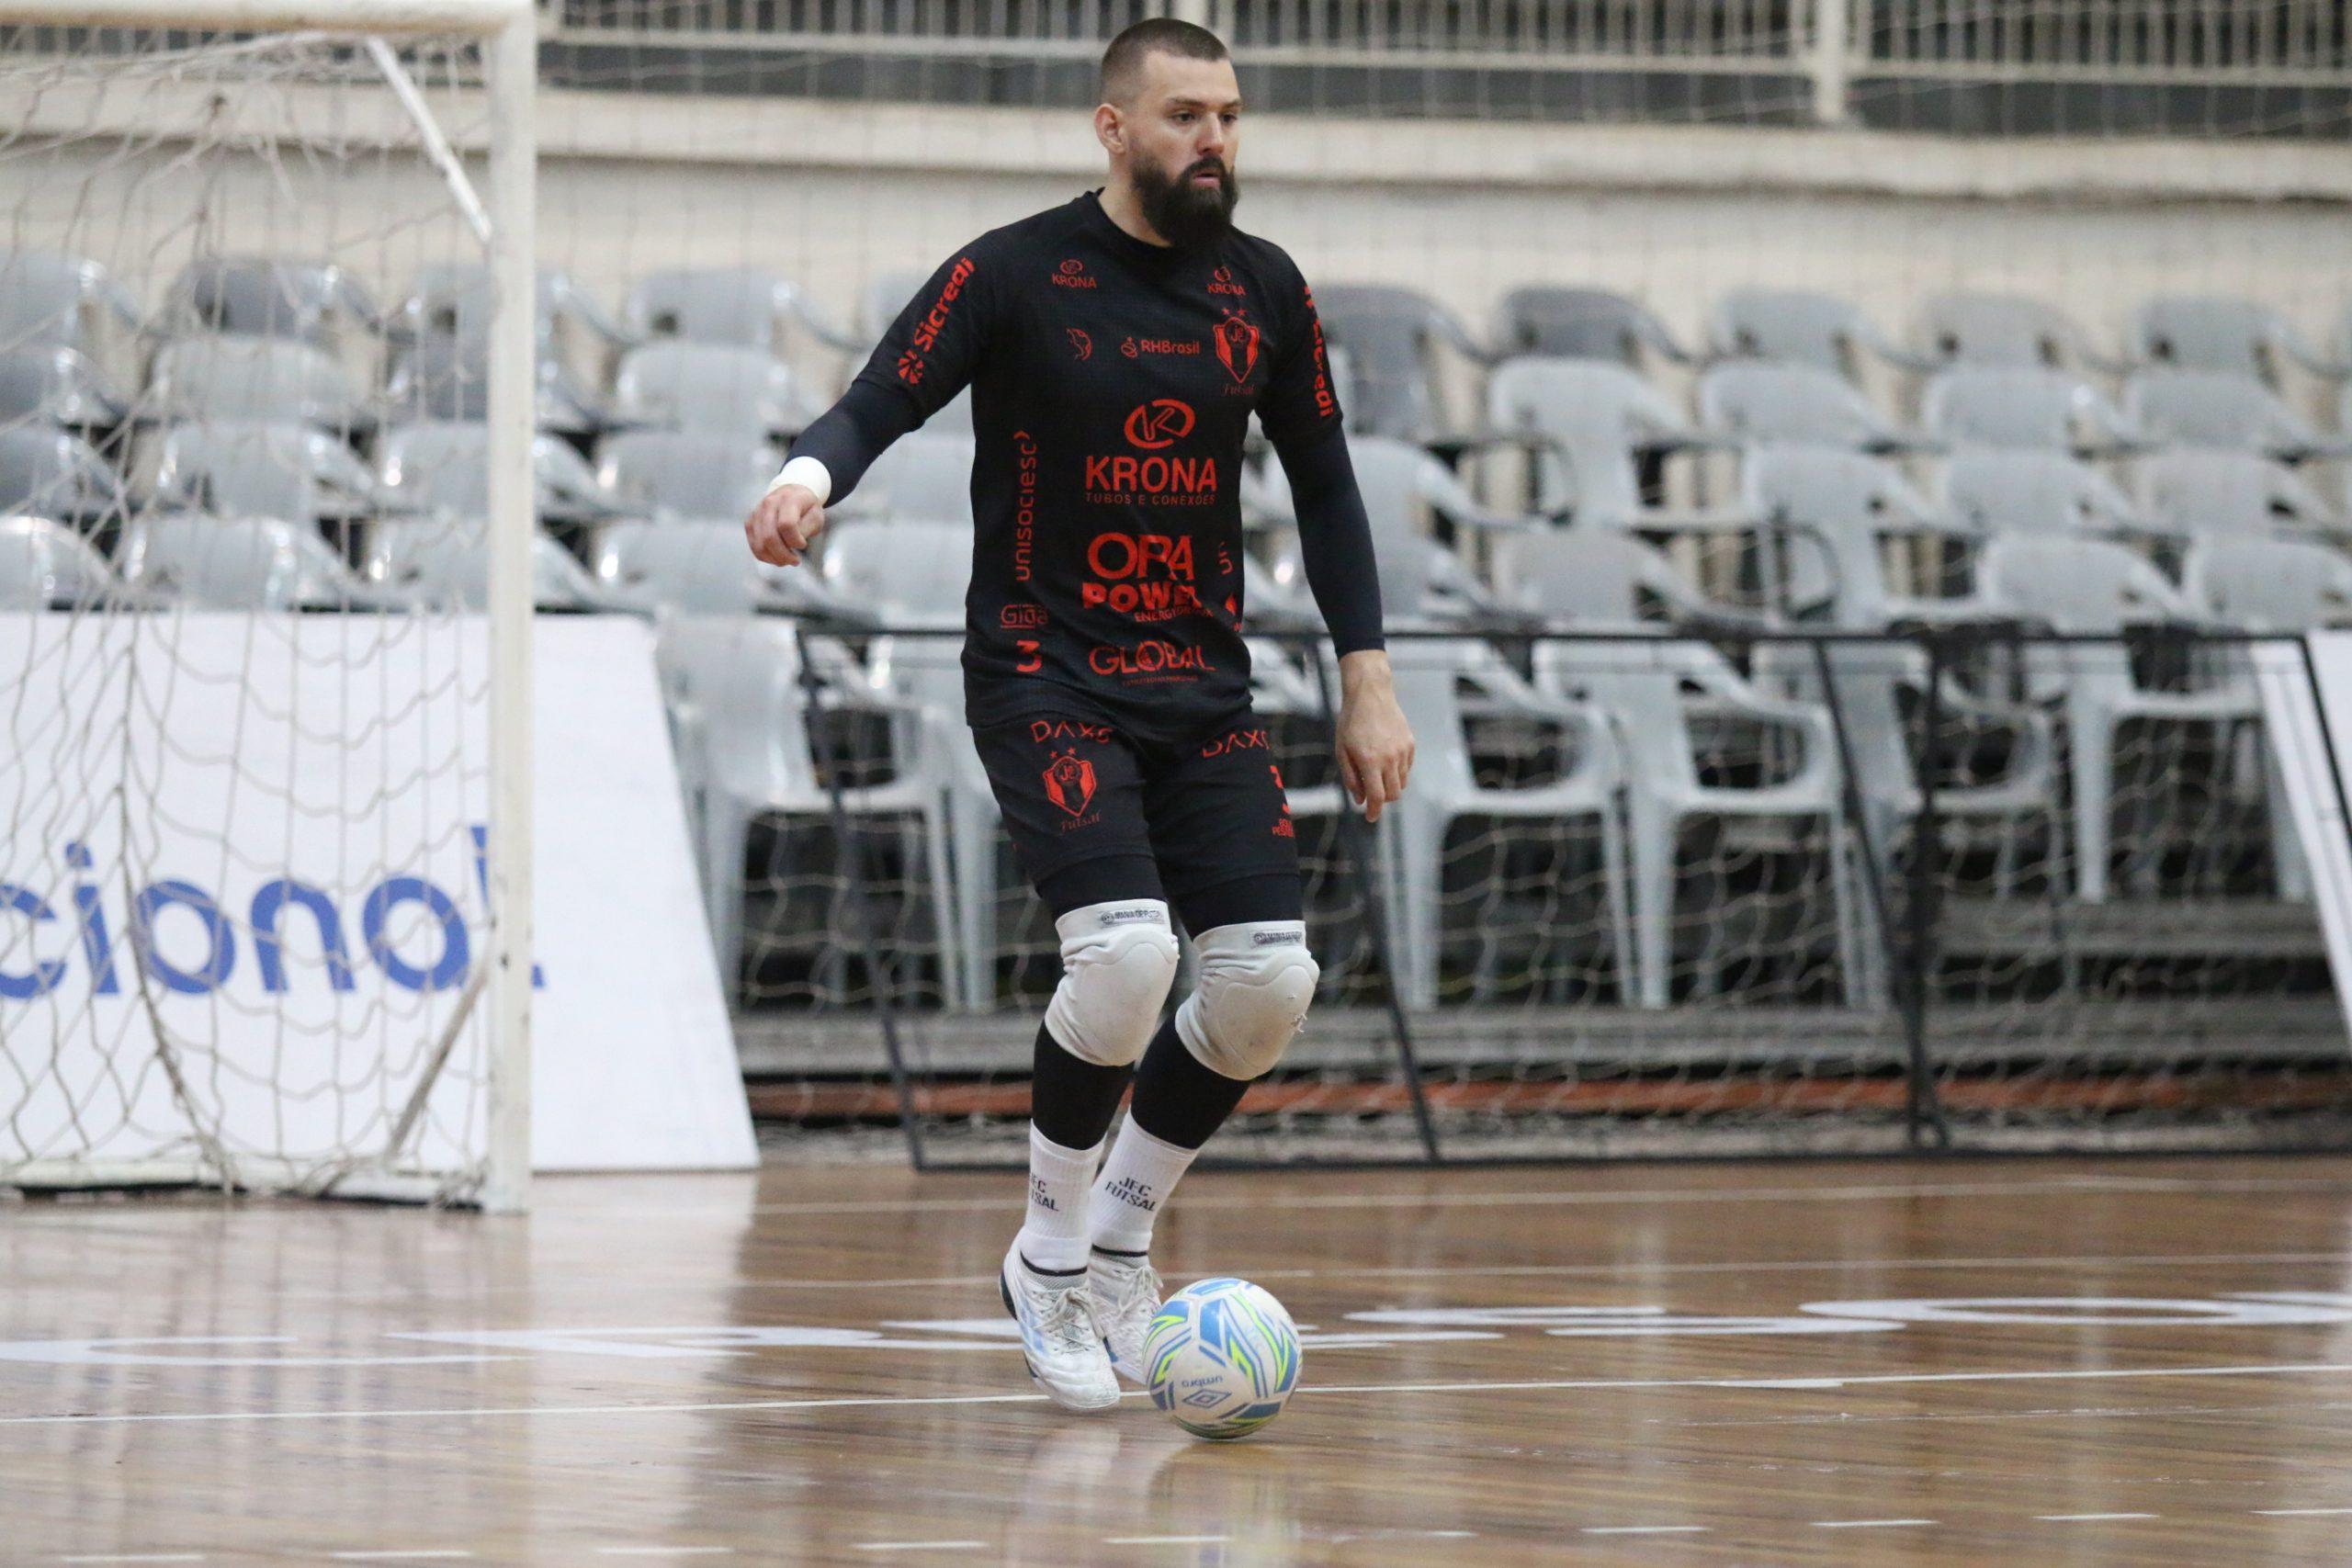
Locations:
666 1551
417 1555
919 1545
140 1557
2088 1519
1867 1524
1164 1540
2058 1374
2297 1513
1645 1529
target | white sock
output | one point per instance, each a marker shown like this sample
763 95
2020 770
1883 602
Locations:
1053 1238
1136 1179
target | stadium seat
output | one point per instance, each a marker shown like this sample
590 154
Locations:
439 333
1840 505
1581 323
701 568
444 466
2092 586
265 297
1796 326
242 563
1588 417
60 302
1598 580
443 563
2212 408
248 468
2270 585
2020 490
673 384
2047 409
47 383
2003 332
50 472
739 307
1754 400
1431 675
2199 491
47 566
1642 685
2226 336
1391 336
277 380
686 473
887 294
741 711
926 477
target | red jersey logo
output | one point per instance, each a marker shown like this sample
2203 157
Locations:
1072 274
1162 421
1237 344
1069 782
1222 281
1080 344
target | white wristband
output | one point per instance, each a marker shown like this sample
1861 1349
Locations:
807 473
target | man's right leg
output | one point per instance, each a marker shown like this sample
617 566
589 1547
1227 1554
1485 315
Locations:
1072 798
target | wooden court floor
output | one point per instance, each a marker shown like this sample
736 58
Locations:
2020 1363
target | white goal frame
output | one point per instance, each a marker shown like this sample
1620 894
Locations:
506 224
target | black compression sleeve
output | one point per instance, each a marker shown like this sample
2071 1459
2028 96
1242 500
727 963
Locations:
848 436
1335 537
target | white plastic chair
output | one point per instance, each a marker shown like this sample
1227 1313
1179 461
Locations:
699 566
722 388
1797 326
2203 490
2052 411
2021 491
2269 585
444 466
1756 400
2090 586
1641 683
925 477
2229 337
243 469
54 385
1844 503
2005 332
2210 407
686 473
47 566
444 563
244 563
741 306
741 707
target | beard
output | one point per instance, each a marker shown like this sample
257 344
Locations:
1188 215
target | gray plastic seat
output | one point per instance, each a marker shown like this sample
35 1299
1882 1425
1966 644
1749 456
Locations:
2004 331
49 383
727 389
1590 579
1590 415
1580 323
741 306
50 472
925 477
245 468
46 566
2226 336
1840 505
887 294
1392 337
440 330
2270 585
1758 400
2212 408
699 567
242 563
443 563
1797 326
2000 490
444 466
265 297
61 301
2199 491
686 473
260 378
2048 410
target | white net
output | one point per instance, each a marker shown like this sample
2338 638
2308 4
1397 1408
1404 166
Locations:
244 784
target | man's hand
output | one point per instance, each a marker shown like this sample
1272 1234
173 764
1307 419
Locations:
785 524
1376 743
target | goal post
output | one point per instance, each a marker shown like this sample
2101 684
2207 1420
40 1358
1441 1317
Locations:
141 144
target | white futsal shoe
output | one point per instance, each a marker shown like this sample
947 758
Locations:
1059 1336
1126 1298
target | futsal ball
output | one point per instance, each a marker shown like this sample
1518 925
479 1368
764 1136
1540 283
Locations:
1222 1358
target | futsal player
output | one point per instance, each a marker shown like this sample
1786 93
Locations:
1117 346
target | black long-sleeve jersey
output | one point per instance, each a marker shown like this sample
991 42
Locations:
1112 382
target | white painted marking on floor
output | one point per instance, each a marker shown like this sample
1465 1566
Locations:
1645 1529
2299 1513
666 1551
1164 1540
1866 1524
418 1554
920 1545
138 1557
2090 1518
2061 1374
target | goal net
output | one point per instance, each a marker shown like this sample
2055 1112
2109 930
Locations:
262 869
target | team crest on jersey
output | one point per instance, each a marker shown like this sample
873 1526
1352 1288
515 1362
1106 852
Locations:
1237 344
1069 782
1080 344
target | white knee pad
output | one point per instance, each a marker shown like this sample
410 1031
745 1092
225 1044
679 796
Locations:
1256 980
1118 960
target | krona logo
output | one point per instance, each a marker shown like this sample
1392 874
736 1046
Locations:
1162 421
1072 274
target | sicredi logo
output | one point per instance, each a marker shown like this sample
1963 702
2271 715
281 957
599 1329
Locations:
185 937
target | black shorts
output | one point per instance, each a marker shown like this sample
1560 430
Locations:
1209 811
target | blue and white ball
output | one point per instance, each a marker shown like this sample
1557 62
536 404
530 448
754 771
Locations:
1222 1358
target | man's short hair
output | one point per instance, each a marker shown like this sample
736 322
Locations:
1122 61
